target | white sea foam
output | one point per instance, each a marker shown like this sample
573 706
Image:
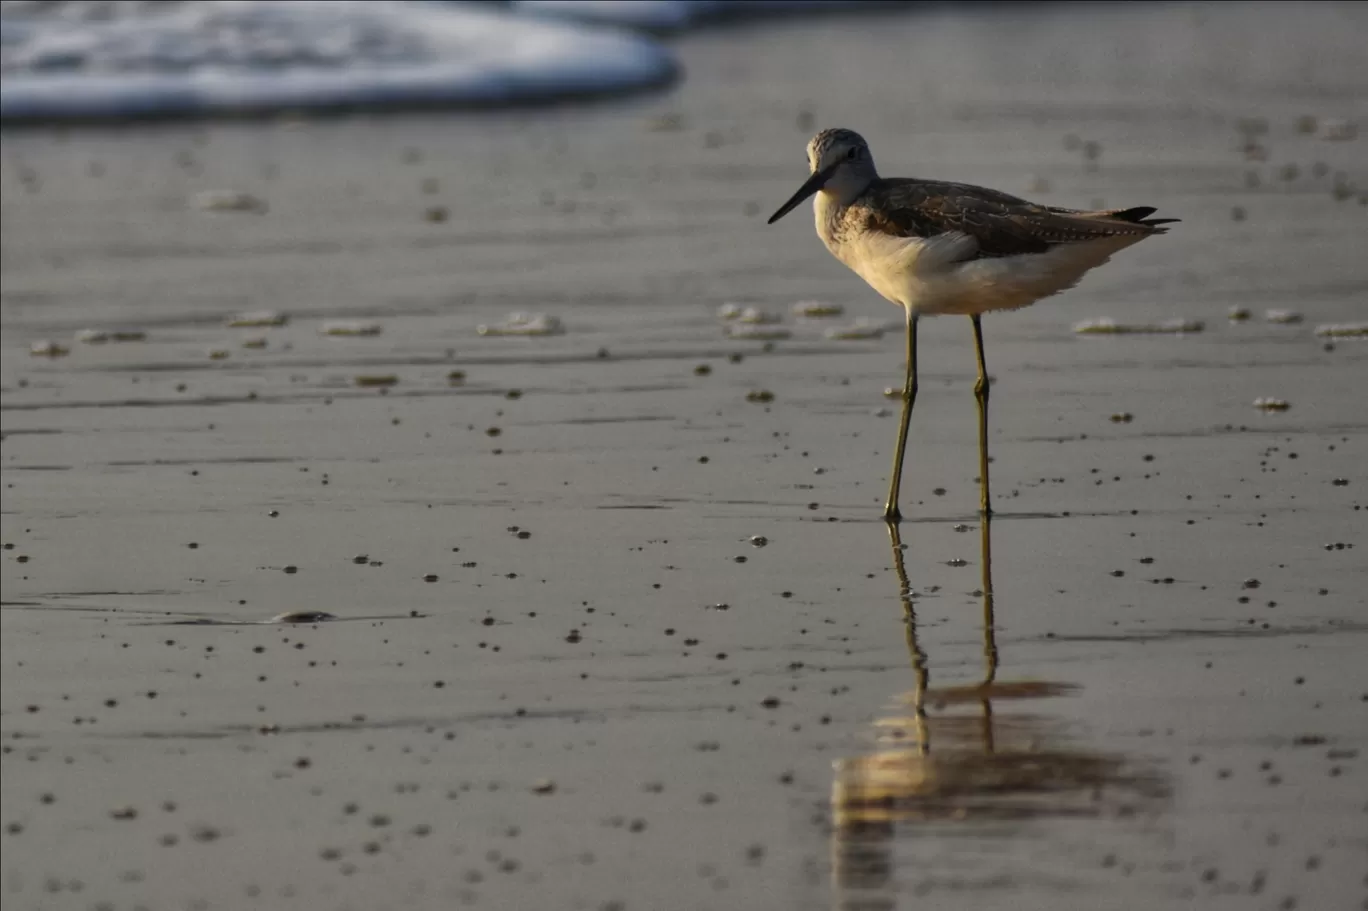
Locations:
120 59
669 15
87 59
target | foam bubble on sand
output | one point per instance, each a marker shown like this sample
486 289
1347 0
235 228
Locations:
754 316
1343 330
255 319
101 336
197 57
351 328
48 348
525 324
228 201
750 315
758 333
817 309
1107 326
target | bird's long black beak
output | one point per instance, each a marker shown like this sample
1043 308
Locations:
812 185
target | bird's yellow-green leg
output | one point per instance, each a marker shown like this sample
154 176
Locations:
981 395
909 397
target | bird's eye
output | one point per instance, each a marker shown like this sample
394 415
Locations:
854 153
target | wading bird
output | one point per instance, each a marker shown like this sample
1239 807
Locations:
933 248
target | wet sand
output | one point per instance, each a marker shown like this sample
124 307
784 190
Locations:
560 674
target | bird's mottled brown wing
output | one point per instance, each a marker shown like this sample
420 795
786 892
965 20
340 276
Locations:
999 223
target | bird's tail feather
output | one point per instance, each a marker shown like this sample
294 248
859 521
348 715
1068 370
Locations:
1140 215
1137 215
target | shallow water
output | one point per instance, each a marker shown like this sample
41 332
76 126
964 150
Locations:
550 678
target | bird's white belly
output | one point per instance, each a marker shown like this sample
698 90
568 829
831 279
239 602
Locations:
928 276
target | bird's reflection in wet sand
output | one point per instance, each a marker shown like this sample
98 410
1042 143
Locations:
953 766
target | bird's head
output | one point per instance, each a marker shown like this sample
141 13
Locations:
838 162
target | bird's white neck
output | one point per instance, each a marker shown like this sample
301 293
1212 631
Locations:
827 209
850 181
